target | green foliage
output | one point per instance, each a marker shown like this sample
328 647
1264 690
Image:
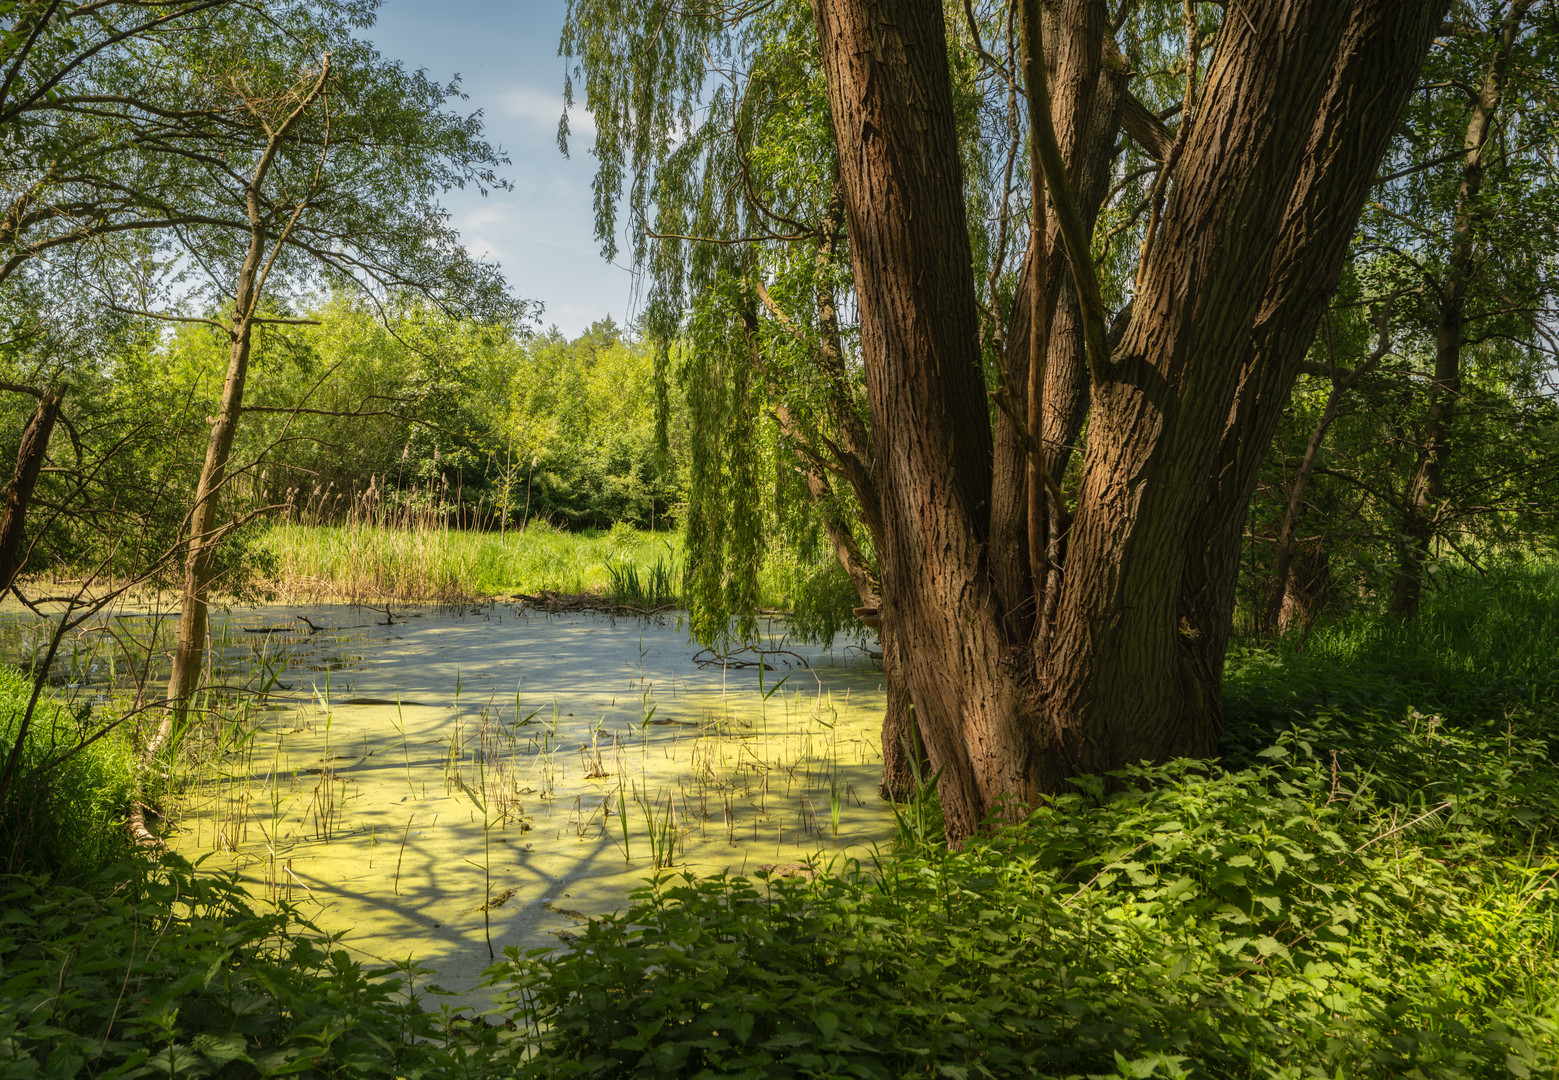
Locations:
399 403
822 598
1435 229
64 805
730 188
1362 888
1481 650
724 523
163 971
580 428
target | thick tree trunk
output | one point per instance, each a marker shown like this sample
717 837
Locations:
1296 90
1427 489
891 101
29 463
1087 93
1374 72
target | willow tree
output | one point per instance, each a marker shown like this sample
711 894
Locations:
733 209
1057 579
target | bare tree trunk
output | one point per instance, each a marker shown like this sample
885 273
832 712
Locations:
29 463
205 533
1294 92
1280 604
206 528
1428 487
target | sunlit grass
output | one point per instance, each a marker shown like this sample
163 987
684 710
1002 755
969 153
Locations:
63 805
440 564
1485 644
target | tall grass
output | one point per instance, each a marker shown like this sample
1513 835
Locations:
658 586
64 806
385 553
1485 647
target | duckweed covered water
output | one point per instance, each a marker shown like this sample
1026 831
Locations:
434 782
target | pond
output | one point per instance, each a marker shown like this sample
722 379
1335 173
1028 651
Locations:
438 784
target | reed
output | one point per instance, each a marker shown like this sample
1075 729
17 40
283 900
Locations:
374 549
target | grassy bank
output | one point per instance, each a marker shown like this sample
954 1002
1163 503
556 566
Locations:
63 801
1364 886
437 564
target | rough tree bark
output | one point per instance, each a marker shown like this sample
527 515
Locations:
1427 489
29 463
1299 104
1087 78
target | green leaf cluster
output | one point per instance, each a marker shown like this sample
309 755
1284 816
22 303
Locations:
1359 889
167 971
64 804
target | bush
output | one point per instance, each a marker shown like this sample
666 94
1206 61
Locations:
160 971
65 803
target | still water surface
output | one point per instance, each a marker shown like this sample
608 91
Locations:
432 782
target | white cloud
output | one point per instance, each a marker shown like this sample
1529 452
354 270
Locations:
543 108
491 214
480 248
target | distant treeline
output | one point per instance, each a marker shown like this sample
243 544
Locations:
393 416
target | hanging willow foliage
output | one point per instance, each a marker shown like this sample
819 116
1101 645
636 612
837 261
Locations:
725 535
718 174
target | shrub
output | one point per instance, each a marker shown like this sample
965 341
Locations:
161 971
67 798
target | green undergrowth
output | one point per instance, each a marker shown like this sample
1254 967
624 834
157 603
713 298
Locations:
1479 651
439 564
160 971
63 803
1364 886
1282 920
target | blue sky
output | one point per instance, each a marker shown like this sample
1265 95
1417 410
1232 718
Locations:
542 231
